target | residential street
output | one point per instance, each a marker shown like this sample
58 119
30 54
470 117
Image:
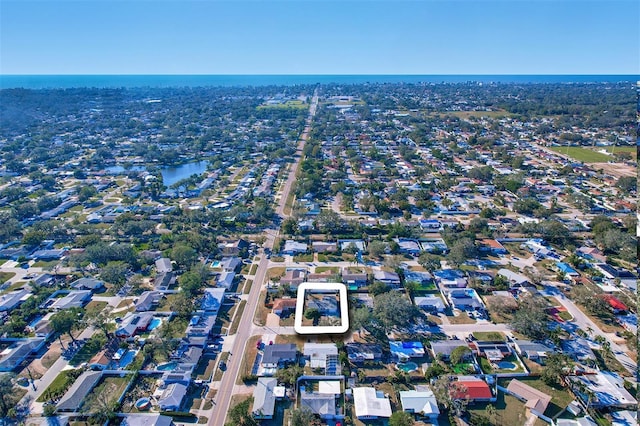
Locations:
227 386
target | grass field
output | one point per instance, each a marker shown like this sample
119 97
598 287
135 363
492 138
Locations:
286 105
630 149
60 384
584 155
109 388
560 397
237 318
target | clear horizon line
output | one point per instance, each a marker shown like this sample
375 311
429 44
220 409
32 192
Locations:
321 74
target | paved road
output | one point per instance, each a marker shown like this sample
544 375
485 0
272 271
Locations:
227 385
48 377
582 321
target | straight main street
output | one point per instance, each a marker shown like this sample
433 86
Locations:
226 388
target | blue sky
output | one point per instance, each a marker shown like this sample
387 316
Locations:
319 37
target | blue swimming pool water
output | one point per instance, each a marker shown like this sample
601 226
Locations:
506 365
407 366
155 323
127 358
143 404
169 366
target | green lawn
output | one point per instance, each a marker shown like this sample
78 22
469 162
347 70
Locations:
630 149
60 384
93 345
5 276
560 397
584 155
238 316
109 388
492 336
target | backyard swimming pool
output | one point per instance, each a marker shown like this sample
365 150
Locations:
169 366
506 365
127 358
155 323
143 404
407 366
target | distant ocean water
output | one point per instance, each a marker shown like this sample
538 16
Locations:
129 81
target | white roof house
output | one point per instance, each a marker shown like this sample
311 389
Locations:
264 398
324 356
163 265
371 404
420 402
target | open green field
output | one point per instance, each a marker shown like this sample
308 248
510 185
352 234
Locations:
630 149
288 104
584 155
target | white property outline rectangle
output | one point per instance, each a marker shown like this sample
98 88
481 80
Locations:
344 309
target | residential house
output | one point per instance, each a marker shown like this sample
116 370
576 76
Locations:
320 394
293 278
200 325
13 299
73 299
88 284
466 299
164 280
277 356
358 353
148 300
284 307
579 349
533 350
472 388
430 303
591 254
230 263
405 350
408 246
443 348
72 400
235 248
616 304
346 244
323 356
172 396
225 279
389 278
264 397
146 420
16 351
324 247
493 351
370 404
536 402
327 305
212 300
293 247
515 279
420 402
606 390
134 322
163 265
352 280
492 246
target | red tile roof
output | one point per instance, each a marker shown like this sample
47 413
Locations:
472 389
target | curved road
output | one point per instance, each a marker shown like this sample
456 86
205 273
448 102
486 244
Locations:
225 390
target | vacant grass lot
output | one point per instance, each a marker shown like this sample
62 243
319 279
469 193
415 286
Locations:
584 155
109 389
